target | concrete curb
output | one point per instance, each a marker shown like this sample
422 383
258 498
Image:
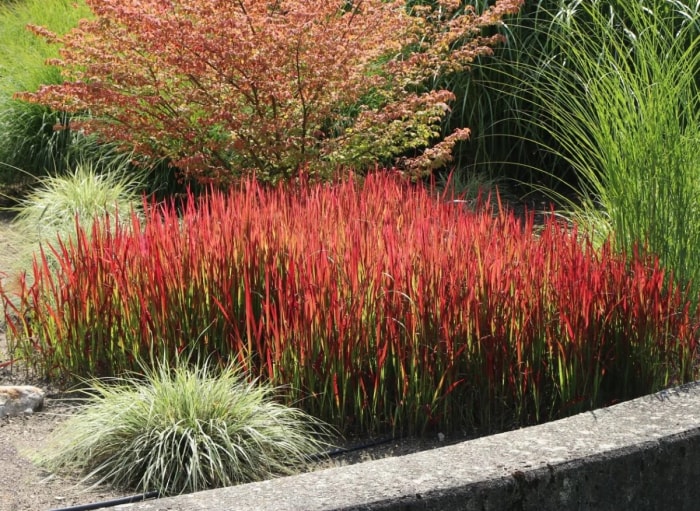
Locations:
639 455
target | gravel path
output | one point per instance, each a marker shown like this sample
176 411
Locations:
24 486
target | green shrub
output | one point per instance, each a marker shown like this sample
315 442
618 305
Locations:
183 430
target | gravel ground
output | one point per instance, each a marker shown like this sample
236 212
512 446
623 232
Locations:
25 486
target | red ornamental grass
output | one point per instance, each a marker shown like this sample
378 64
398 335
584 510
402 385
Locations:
379 305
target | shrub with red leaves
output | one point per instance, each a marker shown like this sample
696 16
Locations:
230 88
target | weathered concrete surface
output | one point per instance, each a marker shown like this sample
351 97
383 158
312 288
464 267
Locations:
640 455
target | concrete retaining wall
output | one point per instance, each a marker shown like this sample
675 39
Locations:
640 455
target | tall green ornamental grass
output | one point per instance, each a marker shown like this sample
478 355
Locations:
181 430
492 101
623 96
380 306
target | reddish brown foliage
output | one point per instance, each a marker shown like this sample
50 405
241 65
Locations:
378 305
225 88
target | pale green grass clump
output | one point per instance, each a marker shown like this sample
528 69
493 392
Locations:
48 215
184 430
85 194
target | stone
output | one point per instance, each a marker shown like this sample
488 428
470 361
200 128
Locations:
20 399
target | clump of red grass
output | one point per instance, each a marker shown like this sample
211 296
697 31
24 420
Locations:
379 306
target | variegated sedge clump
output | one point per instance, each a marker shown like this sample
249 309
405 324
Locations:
180 428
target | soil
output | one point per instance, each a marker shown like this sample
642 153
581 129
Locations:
24 486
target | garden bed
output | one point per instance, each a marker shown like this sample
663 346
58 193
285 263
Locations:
33 488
